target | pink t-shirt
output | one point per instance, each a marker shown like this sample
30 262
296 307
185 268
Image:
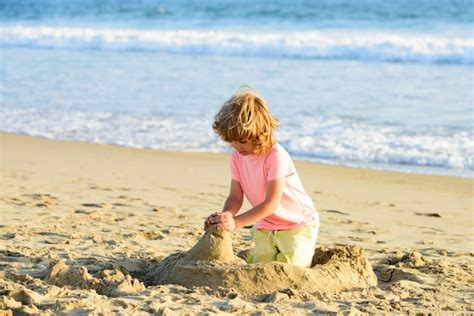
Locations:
296 208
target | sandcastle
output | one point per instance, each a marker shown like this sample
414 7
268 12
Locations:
212 263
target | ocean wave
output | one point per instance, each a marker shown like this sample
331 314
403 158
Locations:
323 44
348 141
327 139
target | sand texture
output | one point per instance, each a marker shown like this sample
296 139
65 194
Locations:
95 229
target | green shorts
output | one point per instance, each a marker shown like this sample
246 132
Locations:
295 246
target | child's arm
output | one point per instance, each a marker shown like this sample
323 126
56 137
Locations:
234 201
273 193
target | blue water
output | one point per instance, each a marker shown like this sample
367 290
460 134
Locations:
378 84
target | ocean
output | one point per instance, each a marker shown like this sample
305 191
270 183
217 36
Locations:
366 83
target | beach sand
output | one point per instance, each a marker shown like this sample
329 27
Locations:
85 228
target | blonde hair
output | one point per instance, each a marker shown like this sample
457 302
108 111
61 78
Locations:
246 117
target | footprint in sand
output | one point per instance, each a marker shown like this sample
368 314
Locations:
361 239
407 267
121 204
169 188
37 199
377 203
42 200
163 209
13 200
336 212
390 275
129 198
95 187
429 214
8 235
98 205
153 235
86 212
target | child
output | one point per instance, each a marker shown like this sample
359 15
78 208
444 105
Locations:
285 220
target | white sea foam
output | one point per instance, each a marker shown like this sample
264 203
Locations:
318 44
342 140
324 139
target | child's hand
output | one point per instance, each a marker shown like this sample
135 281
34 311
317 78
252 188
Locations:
224 221
210 220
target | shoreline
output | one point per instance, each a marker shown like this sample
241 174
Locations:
389 168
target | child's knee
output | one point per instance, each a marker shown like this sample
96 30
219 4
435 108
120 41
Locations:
265 248
301 259
297 246
262 257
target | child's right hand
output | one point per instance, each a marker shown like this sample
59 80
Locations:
225 221
220 220
209 219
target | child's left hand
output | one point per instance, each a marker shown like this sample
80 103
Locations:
224 221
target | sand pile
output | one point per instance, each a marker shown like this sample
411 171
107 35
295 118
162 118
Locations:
110 282
211 263
215 245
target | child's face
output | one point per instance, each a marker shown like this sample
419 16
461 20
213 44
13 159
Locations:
246 148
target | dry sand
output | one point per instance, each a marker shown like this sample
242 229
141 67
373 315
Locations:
86 229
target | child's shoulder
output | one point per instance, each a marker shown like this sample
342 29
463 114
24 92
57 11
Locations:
279 148
279 152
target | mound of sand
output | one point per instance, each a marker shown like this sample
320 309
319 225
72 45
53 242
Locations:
211 263
215 245
111 282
